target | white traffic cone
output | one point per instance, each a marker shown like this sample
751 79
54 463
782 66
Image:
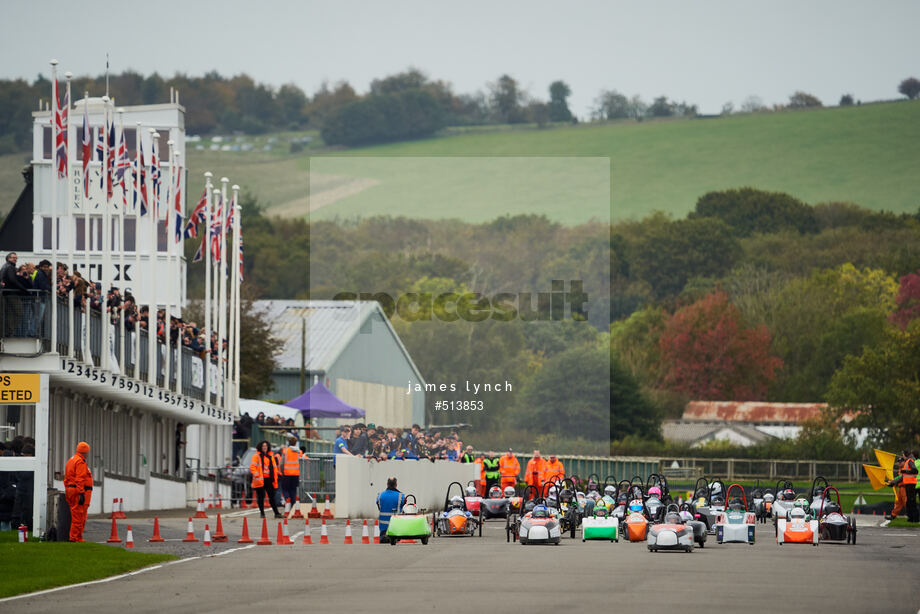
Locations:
207 535
129 538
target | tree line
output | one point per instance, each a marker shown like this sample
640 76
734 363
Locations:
754 295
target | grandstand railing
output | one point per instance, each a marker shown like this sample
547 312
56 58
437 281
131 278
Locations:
29 316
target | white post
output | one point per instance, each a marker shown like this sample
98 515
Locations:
167 317
84 316
176 281
238 227
137 244
54 206
231 299
222 295
154 214
123 362
104 321
70 234
206 254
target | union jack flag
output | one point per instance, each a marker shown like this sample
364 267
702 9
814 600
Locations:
155 178
199 255
100 153
241 254
178 201
141 192
121 169
217 229
110 161
198 216
87 144
61 119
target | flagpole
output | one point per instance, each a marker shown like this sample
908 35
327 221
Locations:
238 226
84 318
167 315
137 247
231 312
206 249
104 320
222 295
152 314
123 361
215 286
54 207
177 277
71 235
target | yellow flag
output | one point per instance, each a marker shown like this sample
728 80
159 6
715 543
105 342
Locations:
886 460
876 476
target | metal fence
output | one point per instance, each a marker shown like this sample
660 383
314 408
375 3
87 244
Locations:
25 314
317 477
761 469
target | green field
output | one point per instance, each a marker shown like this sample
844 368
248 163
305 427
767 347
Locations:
35 566
865 154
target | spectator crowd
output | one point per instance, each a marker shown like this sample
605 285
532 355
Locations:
27 286
371 441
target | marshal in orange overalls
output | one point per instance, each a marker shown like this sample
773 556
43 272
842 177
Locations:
78 489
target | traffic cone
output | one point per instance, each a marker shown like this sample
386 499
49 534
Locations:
210 501
348 539
200 513
297 512
243 504
219 533
114 508
121 509
284 538
376 531
287 506
326 513
323 536
307 533
114 537
156 531
279 540
245 539
254 503
287 534
220 501
207 535
264 541
314 513
365 538
129 538
190 535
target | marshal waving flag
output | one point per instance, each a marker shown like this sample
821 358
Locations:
87 144
61 119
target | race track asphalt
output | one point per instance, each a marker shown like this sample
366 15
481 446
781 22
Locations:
878 574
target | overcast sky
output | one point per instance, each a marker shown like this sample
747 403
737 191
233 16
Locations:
705 53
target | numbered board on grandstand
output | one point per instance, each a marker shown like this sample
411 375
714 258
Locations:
129 385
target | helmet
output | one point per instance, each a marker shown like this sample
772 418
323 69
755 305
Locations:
736 504
769 497
654 491
540 511
509 491
715 487
470 491
610 491
800 503
410 508
788 494
717 500
600 511
565 495
495 493
673 518
635 506
831 507
456 503
685 516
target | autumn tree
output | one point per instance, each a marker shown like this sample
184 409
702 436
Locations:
708 353
907 301
803 100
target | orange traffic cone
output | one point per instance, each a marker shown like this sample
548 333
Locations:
114 508
190 535
254 503
264 541
129 538
245 539
287 534
307 534
219 533
200 513
314 513
287 506
297 512
243 504
348 539
279 540
121 509
156 531
326 511
376 531
113 539
365 538
220 501
323 536
207 535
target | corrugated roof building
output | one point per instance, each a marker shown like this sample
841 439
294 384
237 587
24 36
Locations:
352 348
754 411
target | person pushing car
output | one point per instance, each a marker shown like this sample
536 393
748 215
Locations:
78 490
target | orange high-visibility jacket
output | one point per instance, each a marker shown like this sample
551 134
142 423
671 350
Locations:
291 466
77 476
509 466
554 471
533 475
908 476
260 468
482 470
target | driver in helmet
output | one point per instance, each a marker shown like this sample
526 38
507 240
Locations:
509 492
540 511
673 518
654 493
736 504
471 491
456 503
635 506
495 493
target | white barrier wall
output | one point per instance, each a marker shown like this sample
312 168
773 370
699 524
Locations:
358 482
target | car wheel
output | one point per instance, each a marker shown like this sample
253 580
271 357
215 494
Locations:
392 541
424 541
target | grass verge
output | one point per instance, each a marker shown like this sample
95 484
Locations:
35 566
902 523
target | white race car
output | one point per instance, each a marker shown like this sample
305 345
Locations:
736 523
